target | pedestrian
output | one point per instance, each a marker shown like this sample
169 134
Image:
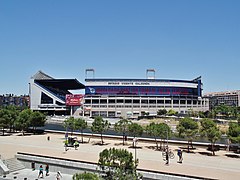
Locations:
48 138
167 156
58 176
76 144
66 145
179 153
47 169
40 171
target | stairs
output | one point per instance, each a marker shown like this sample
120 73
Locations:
13 164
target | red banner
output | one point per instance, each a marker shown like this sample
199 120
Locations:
74 99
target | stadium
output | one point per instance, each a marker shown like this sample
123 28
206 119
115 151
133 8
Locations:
128 98
48 94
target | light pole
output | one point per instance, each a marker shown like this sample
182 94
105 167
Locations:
134 144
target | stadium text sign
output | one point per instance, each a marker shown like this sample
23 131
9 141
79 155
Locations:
74 99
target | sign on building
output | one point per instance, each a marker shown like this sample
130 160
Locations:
74 99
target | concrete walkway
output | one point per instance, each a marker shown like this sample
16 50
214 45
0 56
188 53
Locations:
194 164
33 175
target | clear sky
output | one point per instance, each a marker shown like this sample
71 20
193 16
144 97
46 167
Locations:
180 39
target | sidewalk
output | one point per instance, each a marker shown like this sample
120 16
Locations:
33 175
195 164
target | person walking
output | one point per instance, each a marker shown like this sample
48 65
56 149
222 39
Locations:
40 171
47 169
179 153
58 176
167 156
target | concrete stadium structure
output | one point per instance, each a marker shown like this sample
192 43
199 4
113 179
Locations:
112 98
48 94
136 97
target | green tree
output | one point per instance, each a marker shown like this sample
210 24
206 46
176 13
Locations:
162 112
135 129
122 127
4 120
187 127
13 113
117 164
81 124
234 132
171 112
85 176
158 130
100 125
210 130
37 119
69 123
24 119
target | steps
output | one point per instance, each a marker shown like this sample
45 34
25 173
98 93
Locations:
13 164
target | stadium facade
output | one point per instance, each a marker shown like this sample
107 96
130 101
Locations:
136 97
128 98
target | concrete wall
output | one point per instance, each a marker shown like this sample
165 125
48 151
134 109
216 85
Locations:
68 166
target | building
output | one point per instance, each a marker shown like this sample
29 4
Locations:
135 97
230 98
49 95
14 100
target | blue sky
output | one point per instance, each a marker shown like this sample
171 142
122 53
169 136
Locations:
120 39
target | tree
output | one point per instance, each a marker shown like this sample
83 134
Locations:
69 123
85 176
158 130
13 113
117 164
37 119
81 124
210 130
24 119
122 127
135 129
187 127
100 126
171 112
3 120
234 132
162 112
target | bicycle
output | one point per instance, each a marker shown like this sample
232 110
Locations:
170 154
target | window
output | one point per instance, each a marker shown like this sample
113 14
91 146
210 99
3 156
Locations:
87 101
182 101
144 101
152 101
95 101
119 100
111 101
160 101
175 101
136 101
128 101
103 101
167 101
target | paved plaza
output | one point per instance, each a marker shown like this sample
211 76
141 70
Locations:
195 164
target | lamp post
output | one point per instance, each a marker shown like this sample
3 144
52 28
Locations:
135 153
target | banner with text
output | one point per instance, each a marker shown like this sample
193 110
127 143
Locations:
74 99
